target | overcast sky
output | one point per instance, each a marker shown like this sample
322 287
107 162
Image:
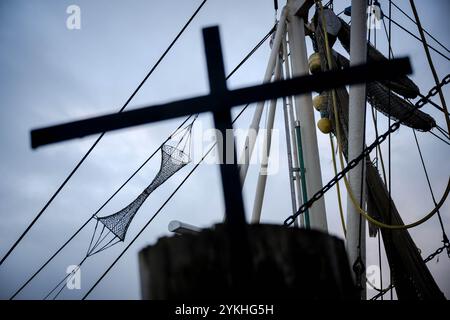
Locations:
50 74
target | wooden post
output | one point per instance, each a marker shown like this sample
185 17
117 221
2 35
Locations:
287 263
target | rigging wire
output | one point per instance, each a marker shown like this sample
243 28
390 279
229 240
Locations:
362 225
426 260
35 219
411 19
417 38
444 235
421 95
258 45
411 34
442 130
379 262
430 63
96 212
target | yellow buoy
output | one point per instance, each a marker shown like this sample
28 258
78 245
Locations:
320 101
314 63
324 125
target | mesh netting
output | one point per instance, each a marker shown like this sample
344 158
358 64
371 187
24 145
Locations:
172 160
391 104
379 95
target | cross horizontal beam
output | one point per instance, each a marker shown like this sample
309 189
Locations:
383 70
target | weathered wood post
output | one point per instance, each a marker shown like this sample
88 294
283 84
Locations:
287 263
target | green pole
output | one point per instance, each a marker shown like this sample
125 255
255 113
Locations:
302 171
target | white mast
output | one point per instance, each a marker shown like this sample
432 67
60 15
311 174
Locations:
356 243
262 177
250 140
304 111
291 146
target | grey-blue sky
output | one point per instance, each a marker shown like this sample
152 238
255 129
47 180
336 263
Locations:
51 74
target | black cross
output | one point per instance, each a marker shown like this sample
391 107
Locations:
219 101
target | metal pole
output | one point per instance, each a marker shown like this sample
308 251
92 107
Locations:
254 126
179 227
356 231
289 157
305 114
302 171
262 177
289 108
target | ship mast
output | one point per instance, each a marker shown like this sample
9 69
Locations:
304 112
356 230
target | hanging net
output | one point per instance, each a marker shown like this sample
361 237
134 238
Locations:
172 160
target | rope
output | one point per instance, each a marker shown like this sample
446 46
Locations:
64 279
101 135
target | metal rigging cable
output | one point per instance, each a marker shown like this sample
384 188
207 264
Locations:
35 219
444 235
440 138
417 38
411 19
430 63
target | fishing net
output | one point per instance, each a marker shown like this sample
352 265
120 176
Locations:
392 105
385 96
172 160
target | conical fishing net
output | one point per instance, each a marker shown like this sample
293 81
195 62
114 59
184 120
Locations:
172 160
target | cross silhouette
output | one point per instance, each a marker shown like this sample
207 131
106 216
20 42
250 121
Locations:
219 101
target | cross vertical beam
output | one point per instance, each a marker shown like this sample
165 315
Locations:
240 255
234 205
